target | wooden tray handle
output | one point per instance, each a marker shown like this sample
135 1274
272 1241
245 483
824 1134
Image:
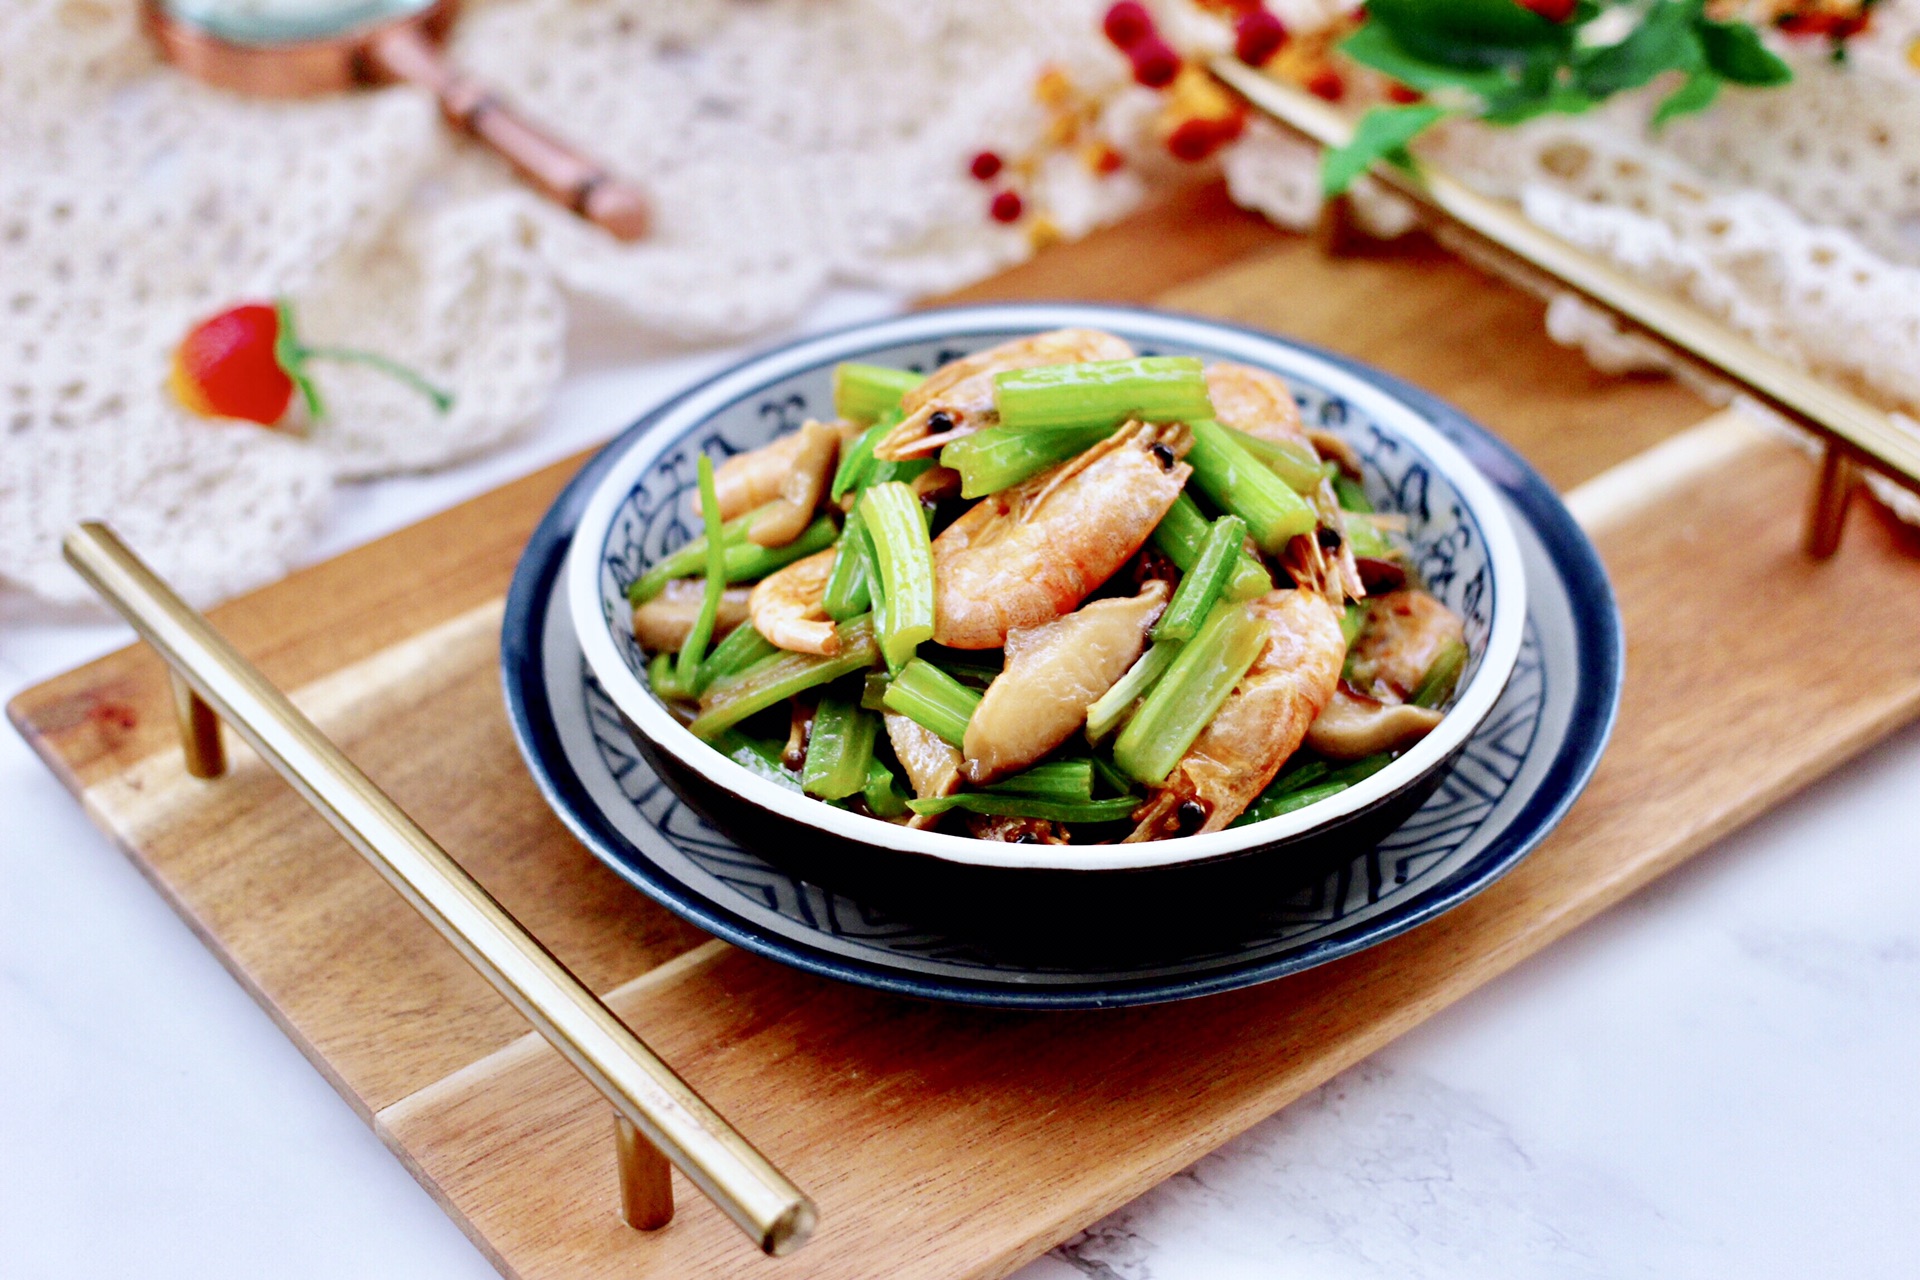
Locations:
658 1118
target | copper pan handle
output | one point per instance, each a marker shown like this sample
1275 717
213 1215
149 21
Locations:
407 52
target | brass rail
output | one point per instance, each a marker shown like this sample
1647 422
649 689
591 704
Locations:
658 1118
1855 432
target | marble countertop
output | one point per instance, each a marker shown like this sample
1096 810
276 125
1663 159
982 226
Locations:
1715 1078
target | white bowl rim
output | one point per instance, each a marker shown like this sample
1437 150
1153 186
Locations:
634 699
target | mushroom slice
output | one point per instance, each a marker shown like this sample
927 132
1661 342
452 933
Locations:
802 487
663 622
1054 672
1351 726
931 762
1406 630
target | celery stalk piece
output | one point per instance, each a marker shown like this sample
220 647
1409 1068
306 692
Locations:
873 691
749 561
663 679
694 647
1113 706
847 594
687 560
932 699
741 649
903 471
1443 675
857 458
1191 693
773 680
1001 457
1000 805
1351 495
1294 461
1052 780
1111 778
882 792
755 756
1200 586
1237 484
1366 540
1354 621
1182 534
864 392
1309 784
1102 393
839 749
904 556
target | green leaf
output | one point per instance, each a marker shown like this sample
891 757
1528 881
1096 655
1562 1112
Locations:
1383 134
1468 33
1664 41
1733 49
1697 94
1373 45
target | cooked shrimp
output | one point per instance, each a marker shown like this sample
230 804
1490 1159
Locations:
1254 401
962 391
793 470
785 606
1325 563
1026 555
1405 632
1261 723
1054 672
663 622
1351 726
932 763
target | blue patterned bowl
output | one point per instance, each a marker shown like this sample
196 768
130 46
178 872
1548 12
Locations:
1464 550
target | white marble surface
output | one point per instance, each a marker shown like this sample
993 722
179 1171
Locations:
1715 1079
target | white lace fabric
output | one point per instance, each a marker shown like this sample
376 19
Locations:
789 145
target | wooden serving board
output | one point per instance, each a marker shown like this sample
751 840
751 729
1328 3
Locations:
944 1141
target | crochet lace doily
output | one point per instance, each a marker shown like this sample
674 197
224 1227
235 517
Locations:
789 145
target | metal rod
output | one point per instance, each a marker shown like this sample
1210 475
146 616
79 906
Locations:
646 1179
642 1088
199 730
1849 423
1832 494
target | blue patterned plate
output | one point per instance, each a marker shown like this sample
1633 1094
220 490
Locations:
1518 774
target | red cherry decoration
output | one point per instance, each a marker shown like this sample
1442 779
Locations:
1257 36
1155 64
1127 24
985 166
1006 207
1327 83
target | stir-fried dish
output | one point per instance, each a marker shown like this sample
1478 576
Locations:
1053 592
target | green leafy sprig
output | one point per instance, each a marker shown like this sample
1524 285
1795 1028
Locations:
1503 62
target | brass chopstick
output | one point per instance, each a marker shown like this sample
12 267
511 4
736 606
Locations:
1859 430
644 1091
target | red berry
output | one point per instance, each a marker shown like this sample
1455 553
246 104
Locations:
986 165
1127 24
1327 83
1257 36
1193 140
1551 10
226 367
1403 93
1155 64
1006 207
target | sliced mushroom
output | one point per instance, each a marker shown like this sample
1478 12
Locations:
1352 726
1053 673
1406 630
801 489
931 762
663 622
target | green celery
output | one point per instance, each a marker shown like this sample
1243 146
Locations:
1443 675
773 680
1113 706
847 594
998 805
1239 485
873 692
1053 780
1294 461
1191 693
686 560
749 562
864 392
882 792
857 458
932 699
762 758
743 647
839 749
1365 538
1001 457
694 647
1103 393
1200 586
664 679
903 555
1354 621
1111 778
1308 784
1181 535
1351 494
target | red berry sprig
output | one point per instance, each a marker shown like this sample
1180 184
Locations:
1129 28
247 361
1257 36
